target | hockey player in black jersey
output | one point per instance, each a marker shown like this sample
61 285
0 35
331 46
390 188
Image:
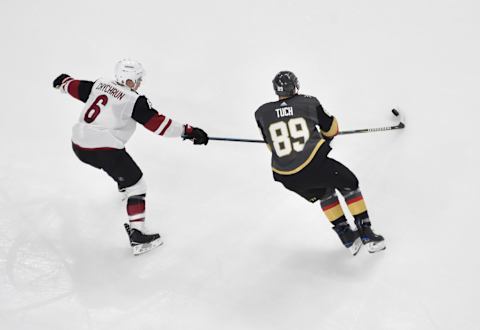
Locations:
298 132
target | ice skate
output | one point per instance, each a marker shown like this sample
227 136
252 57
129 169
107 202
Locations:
141 242
350 238
372 241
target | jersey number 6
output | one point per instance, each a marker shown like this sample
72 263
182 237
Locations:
282 132
94 109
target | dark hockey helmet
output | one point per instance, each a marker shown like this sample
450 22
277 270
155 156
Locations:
285 83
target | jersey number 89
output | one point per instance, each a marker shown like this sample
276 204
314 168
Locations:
282 134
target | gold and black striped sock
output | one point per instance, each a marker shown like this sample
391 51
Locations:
356 205
332 209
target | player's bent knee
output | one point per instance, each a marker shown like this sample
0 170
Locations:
329 195
139 188
355 184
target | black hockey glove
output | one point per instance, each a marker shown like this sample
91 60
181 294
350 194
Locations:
196 134
58 81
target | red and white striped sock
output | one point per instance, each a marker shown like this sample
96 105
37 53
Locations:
136 211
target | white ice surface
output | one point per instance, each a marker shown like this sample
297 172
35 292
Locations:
241 252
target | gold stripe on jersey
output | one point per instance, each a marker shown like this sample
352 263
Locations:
333 129
301 167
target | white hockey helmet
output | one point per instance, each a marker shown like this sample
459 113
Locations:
128 69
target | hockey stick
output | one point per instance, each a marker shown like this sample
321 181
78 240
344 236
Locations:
234 139
362 130
400 125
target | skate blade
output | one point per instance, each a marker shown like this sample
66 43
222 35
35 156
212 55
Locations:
373 247
356 246
143 248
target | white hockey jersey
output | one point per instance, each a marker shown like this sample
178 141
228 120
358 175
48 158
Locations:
106 120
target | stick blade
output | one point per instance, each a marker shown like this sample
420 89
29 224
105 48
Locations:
400 116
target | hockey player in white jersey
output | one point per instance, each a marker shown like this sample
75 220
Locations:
110 115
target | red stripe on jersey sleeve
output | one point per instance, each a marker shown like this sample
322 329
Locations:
154 123
73 88
166 127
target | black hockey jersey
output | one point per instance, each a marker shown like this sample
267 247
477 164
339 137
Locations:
290 128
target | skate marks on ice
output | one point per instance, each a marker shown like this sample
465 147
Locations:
32 272
47 267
